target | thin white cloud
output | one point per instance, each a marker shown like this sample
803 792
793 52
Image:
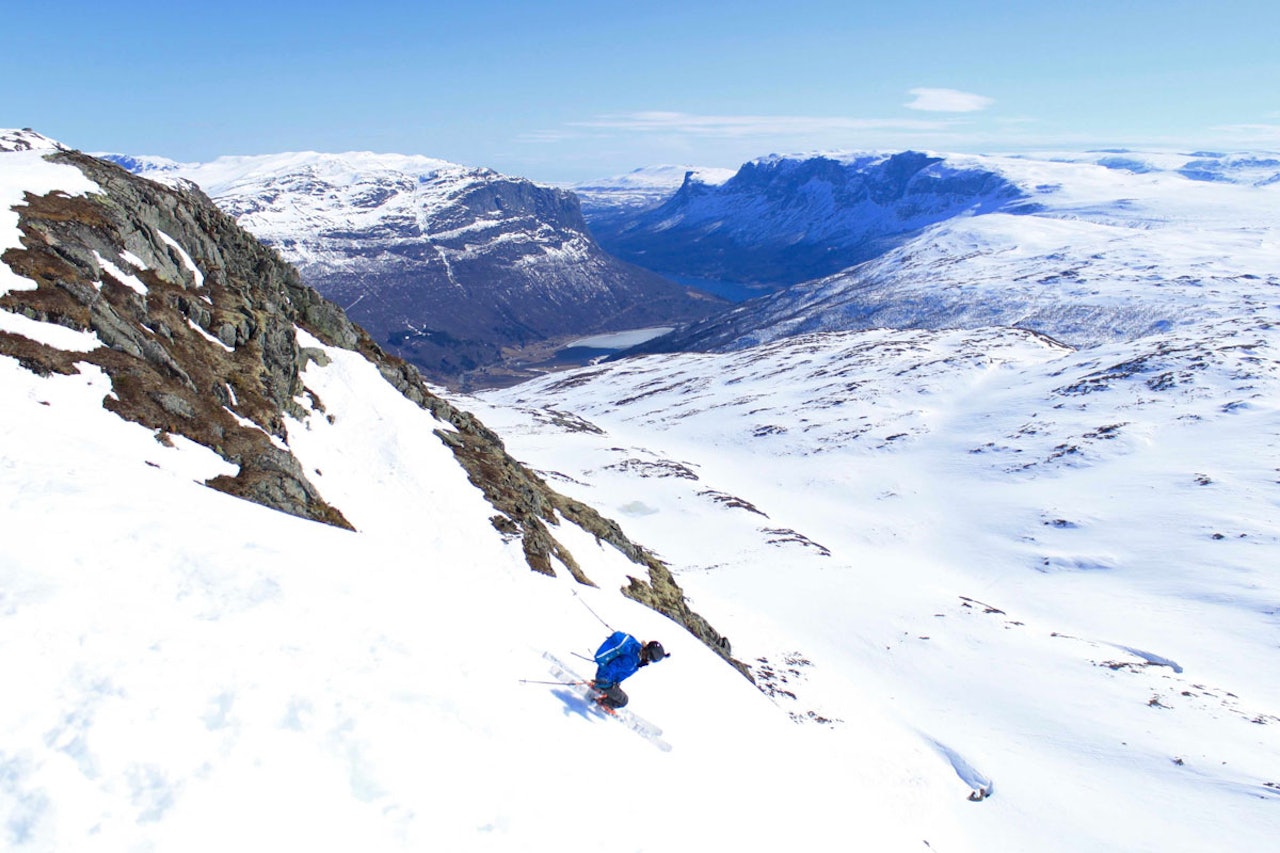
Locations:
1254 131
1261 137
947 101
748 125
538 137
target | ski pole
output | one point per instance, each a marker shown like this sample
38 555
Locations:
589 610
562 683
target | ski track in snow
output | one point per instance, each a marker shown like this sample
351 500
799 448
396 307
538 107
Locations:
982 785
1150 658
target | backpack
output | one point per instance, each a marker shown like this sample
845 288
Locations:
616 644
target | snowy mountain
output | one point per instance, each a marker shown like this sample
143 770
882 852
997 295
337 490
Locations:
1248 169
783 220
24 140
1101 248
445 265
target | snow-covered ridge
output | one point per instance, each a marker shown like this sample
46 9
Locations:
1255 167
1250 168
152 167
25 140
296 200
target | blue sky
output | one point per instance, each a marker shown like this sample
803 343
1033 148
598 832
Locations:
563 90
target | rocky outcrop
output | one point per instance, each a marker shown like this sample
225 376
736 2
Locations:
197 319
207 356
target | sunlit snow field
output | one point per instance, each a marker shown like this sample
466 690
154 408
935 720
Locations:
189 671
1075 596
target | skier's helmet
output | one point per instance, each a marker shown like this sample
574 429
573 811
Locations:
653 651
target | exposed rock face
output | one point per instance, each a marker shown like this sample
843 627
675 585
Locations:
190 353
444 265
781 220
200 342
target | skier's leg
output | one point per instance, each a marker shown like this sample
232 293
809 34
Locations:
613 697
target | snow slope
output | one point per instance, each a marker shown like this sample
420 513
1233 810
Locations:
193 672
185 670
1057 568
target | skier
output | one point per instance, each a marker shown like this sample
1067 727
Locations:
617 659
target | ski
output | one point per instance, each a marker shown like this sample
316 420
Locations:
583 688
570 678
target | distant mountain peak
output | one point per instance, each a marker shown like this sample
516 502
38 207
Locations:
143 164
1088 249
785 219
658 178
26 139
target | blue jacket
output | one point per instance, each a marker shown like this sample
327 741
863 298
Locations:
617 659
